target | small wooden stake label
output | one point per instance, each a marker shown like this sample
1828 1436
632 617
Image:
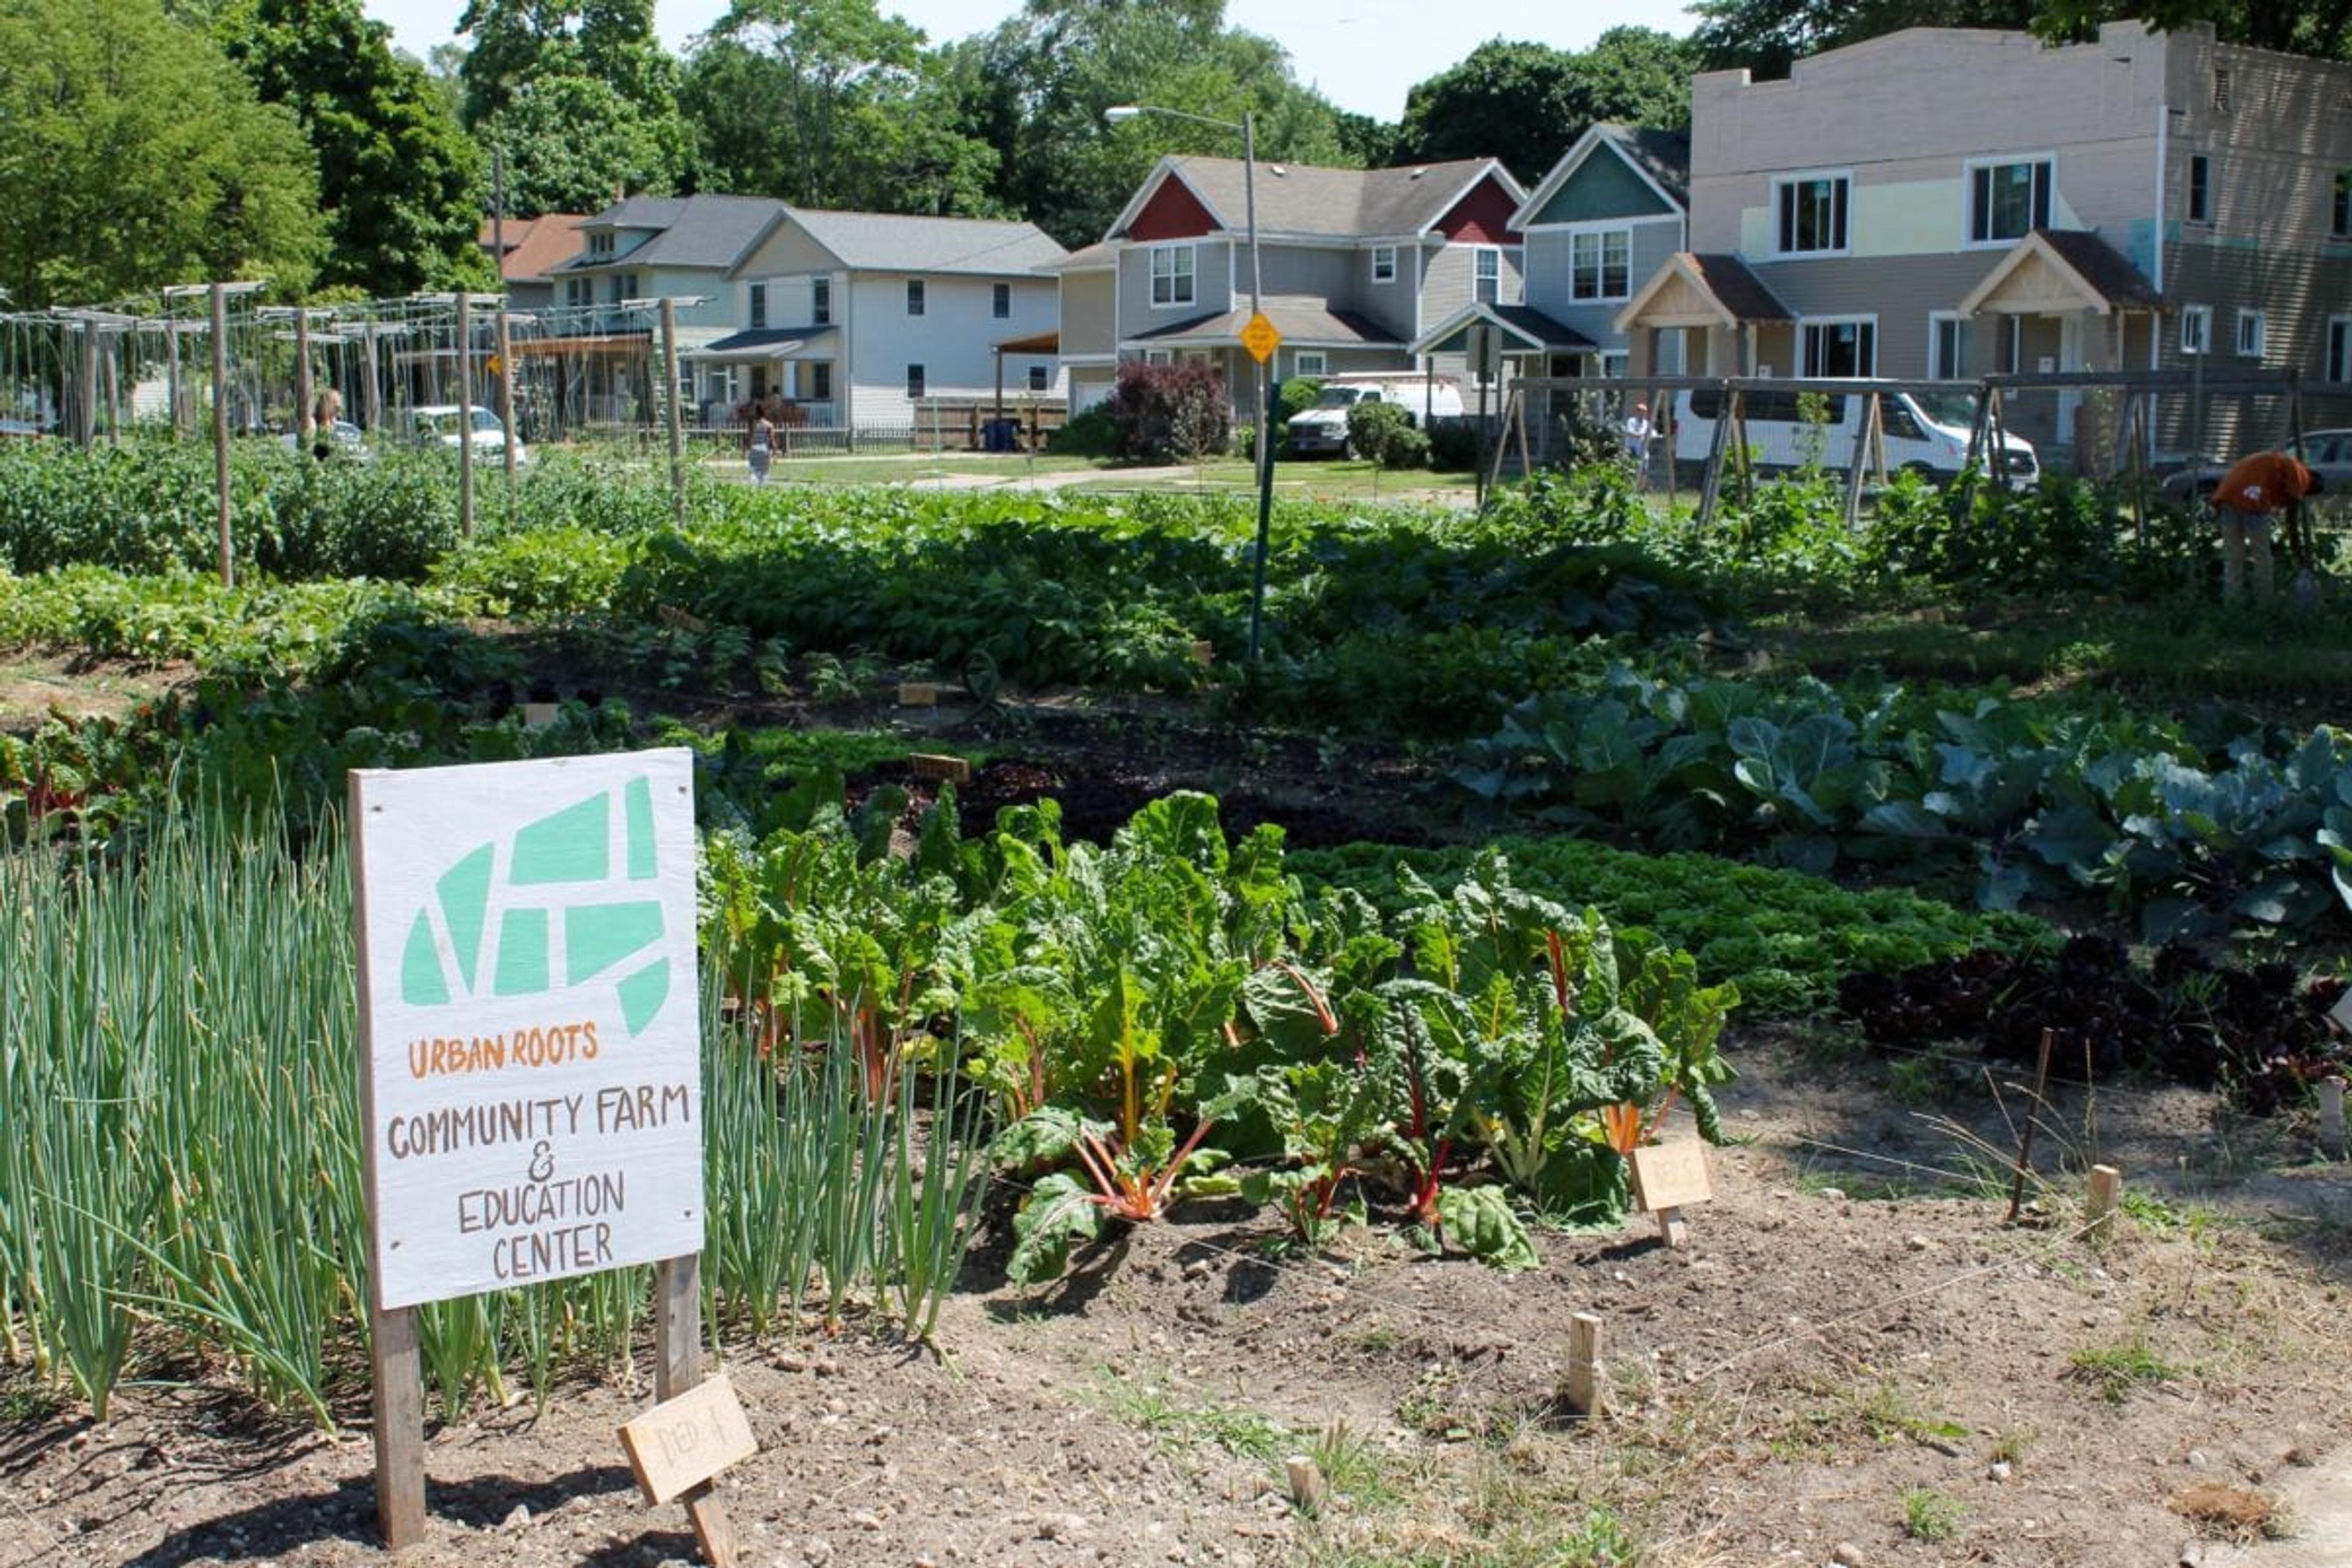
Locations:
938 765
687 1439
1668 1175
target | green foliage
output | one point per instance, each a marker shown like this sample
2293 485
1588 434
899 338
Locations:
138 156
1090 433
1296 396
402 182
1373 430
1783 937
1525 103
575 137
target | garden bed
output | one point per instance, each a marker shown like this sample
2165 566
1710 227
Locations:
1832 1359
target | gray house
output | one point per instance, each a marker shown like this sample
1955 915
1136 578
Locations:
1357 264
1612 210
1940 203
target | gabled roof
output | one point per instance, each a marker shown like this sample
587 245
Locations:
1307 201
894 242
1302 320
1100 257
1526 329
1660 158
1720 287
535 245
758 345
2085 270
713 232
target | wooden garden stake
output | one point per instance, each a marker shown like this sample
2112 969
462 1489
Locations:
1666 1177
1584 1385
399 1402
938 765
677 1367
2331 1118
2025 1137
2106 1186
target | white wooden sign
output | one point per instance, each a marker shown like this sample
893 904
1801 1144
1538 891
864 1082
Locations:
530 1042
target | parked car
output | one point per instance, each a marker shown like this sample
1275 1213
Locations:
438 424
350 442
1322 427
2327 453
1922 440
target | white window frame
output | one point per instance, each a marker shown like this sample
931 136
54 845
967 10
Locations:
1041 379
918 299
755 306
1384 267
1487 266
1843 209
2253 334
1615 365
918 384
2201 341
1310 362
1599 236
2197 201
1000 301
821 302
1972 218
1183 282
2335 352
1809 325
1159 357
1937 321
820 373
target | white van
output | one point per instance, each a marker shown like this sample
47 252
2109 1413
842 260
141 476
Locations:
1925 436
1323 426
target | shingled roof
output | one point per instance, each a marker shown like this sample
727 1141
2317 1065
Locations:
695 231
894 242
1338 204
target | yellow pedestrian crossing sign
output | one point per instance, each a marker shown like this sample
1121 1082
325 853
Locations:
1259 336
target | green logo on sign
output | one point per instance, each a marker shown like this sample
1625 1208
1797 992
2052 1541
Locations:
559 873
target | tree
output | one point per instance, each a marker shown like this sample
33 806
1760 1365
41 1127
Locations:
1528 103
401 184
520 41
1766 35
1041 81
570 140
137 155
828 103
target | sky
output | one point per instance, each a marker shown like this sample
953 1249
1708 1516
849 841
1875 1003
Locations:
1362 55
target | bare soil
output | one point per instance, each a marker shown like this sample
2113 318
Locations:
1837 1361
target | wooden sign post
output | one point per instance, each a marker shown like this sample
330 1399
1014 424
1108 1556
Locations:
1666 1177
529 1053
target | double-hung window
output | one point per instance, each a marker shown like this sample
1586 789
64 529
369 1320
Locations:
2340 224
2008 201
1841 348
1600 264
2339 350
1040 378
1171 275
915 300
2195 329
1385 264
758 314
2253 334
916 382
821 302
2200 189
1309 361
1809 211
999 300
1486 274
1948 345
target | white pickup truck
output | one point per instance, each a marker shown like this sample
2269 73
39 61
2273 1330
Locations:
1322 428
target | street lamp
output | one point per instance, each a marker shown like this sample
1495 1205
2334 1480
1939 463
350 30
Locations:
1262 453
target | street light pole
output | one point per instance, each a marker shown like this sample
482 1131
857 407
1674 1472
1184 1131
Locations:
1261 448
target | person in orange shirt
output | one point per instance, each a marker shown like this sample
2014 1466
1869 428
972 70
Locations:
2246 499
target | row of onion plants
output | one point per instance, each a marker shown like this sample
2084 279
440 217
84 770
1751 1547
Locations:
181 1172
